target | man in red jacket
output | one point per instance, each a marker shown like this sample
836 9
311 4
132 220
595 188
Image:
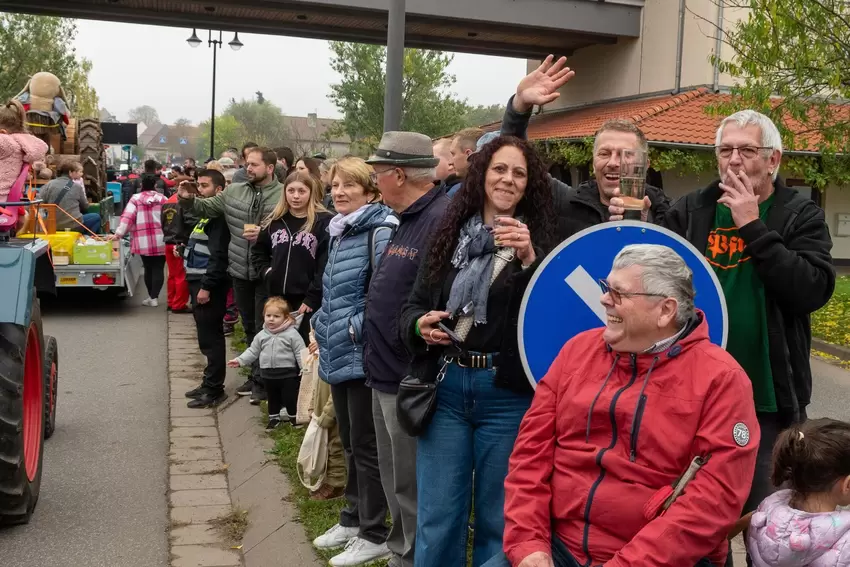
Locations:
621 415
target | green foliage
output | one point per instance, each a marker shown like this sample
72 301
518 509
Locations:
427 105
800 51
683 161
31 44
564 152
832 322
243 121
481 115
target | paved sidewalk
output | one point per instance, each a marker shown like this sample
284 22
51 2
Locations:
198 492
220 466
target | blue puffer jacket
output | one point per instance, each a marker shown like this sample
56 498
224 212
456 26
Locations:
339 322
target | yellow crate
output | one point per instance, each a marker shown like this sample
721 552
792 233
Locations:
61 243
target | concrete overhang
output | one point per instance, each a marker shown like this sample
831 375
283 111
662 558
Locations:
513 28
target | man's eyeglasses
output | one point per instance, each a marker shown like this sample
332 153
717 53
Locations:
375 174
746 152
617 295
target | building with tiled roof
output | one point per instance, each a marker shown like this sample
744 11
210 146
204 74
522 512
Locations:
665 82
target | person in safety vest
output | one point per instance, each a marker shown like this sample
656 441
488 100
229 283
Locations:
205 257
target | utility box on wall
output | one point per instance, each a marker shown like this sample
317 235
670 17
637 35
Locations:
842 224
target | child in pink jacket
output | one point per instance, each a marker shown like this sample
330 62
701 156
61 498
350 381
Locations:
17 147
804 526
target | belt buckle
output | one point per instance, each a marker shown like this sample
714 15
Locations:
457 361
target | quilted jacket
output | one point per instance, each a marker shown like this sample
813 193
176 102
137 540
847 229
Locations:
240 204
339 322
780 536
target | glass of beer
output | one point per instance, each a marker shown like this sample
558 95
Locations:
632 179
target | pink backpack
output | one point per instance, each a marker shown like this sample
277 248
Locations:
9 215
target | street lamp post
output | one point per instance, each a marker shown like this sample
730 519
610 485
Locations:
235 45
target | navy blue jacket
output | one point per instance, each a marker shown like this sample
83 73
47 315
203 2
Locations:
385 356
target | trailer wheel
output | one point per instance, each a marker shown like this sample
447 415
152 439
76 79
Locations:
21 418
51 384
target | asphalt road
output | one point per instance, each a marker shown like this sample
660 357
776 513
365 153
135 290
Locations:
103 493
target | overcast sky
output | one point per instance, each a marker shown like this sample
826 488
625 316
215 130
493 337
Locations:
294 73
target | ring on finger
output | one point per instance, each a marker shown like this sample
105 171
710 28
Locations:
431 335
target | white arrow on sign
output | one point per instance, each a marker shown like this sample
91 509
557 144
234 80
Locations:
588 290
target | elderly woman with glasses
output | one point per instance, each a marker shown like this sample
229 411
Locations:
495 233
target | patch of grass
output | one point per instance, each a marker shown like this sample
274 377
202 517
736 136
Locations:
316 516
832 322
232 526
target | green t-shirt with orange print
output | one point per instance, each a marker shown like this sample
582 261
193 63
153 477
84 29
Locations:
745 302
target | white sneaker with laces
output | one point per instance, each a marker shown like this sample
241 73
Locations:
360 552
154 302
335 537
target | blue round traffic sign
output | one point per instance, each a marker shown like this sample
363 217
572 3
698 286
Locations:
563 297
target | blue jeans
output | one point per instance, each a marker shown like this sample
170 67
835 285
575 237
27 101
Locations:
561 557
91 222
473 429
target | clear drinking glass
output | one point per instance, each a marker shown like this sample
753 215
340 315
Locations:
632 178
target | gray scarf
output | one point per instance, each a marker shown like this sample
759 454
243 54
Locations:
474 258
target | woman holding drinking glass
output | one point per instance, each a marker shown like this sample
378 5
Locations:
496 232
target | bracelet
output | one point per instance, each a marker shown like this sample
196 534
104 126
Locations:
418 332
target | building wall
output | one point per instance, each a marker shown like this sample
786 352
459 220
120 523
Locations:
677 185
648 64
837 201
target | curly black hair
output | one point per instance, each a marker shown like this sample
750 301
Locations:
536 207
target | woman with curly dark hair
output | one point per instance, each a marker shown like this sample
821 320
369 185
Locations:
495 233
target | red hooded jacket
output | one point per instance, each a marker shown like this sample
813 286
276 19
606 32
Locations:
607 435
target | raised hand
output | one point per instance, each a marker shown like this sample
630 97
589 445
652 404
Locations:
541 85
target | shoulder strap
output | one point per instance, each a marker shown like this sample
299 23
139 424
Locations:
68 186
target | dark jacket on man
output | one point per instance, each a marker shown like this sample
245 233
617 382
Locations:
177 222
385 356
580 208
791 255
452 184
205 256
297 258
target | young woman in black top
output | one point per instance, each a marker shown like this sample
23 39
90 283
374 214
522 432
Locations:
498 229
292 248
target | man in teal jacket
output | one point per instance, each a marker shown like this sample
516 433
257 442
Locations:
244 206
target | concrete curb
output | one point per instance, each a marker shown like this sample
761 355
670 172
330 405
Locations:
257 484
835 350
197 476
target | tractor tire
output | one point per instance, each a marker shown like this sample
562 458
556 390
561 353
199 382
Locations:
21 418
51 384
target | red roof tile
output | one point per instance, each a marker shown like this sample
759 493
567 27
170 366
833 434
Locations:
679 118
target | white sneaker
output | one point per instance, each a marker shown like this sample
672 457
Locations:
150 302
284 416
154 302
335 537
146 302
360 552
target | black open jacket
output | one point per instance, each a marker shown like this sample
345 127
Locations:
791 254
426 296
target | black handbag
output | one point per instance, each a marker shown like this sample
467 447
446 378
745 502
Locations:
416 402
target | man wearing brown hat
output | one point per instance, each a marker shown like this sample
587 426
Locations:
404 166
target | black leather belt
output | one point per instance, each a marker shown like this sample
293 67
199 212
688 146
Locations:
475 360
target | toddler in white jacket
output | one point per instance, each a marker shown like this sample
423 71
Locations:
278 347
